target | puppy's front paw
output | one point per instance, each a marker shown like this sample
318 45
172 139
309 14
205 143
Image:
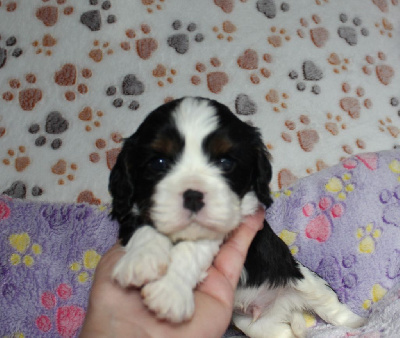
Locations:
169 300
147 257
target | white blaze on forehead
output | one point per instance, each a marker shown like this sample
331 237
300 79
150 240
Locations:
195 119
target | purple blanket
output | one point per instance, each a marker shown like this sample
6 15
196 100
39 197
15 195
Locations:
342 222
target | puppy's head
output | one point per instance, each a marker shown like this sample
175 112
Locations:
192 170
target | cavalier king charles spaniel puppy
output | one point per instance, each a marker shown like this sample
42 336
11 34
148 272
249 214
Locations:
182 182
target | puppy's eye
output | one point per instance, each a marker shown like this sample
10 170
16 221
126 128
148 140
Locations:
226 164
159 165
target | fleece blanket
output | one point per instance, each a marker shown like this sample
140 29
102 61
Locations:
342 222
320 78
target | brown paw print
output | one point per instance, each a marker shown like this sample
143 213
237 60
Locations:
130 86
385 27
28 97
144 47
65 170
360 144
278 37
216 81
88 196
249 61
334 124
153 5
55 124
49 12
277 100
228 28
321 2
18 158
306 137
352 105
387 125
318 35
164 75
9 6
2 129
286 178
45 45
319 165
383 5
339 64
99 50
111 154
90 118
383 72
68 75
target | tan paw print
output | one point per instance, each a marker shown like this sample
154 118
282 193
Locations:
348 149
68 77
306 136
228 28
277 100
45 45
65 170
110 151
318 35
49 13
334 124
321 2
100 49
90 118
385 27
278 37
339 64
164 75
216 80
2 129
387 125
144 47
153 5
249 61
9 6
18 159
352 105
28 97
383 72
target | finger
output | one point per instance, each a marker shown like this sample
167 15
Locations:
232 254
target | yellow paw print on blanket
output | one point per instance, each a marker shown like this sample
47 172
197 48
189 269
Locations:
22 243
89 262
340 186
394 166
378 291
367 237
289 238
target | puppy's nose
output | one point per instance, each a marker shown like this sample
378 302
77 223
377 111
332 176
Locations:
193 200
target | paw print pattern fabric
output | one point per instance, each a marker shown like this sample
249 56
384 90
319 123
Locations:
319 78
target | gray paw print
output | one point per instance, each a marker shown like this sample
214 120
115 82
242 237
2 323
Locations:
181 41
131 86
349 33
311 72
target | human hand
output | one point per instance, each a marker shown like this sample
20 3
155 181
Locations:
117 312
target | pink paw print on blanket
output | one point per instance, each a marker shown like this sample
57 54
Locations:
320 225
68 319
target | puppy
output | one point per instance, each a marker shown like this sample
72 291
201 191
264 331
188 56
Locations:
182 182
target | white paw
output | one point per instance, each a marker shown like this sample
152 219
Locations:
169 299
145 260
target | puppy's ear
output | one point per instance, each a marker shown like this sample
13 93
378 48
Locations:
121 187
263 173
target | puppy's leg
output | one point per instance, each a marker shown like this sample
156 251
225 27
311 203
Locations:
266 326
146 258
321 299
171 297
